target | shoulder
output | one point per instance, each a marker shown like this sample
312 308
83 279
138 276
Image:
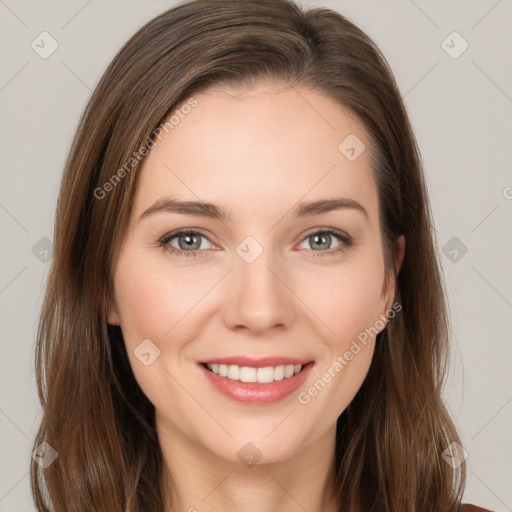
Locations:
466 507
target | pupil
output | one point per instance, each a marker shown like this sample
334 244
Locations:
321 237
190 241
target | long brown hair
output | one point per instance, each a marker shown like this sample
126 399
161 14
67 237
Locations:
390 438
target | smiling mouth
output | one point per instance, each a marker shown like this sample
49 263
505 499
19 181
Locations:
262 375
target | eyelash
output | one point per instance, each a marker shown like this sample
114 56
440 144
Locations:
346 242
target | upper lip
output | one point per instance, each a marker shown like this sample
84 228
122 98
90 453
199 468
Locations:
257 362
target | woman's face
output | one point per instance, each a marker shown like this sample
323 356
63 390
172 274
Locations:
263 281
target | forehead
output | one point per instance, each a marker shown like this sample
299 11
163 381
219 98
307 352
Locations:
262 146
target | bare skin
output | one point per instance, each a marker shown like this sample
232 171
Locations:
256 154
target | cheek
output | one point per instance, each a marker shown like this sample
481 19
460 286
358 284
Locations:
153 298
157 301
348 298
350 305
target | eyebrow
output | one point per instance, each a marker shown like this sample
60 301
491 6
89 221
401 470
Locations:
209 210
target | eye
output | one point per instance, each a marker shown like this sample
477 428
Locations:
322 239
188 242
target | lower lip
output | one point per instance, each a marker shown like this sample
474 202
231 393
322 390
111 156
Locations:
254 392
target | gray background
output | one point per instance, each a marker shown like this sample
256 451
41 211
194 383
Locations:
460 109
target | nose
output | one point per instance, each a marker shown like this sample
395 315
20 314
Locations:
260 299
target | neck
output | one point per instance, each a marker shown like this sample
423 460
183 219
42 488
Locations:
197 480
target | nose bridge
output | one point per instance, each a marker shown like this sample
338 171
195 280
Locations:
259 299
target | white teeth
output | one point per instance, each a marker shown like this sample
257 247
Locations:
289 370
265 374
233 372
249 374
279 372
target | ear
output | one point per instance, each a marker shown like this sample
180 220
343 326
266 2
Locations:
390 285
113 315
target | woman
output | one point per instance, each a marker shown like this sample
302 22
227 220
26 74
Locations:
245 308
